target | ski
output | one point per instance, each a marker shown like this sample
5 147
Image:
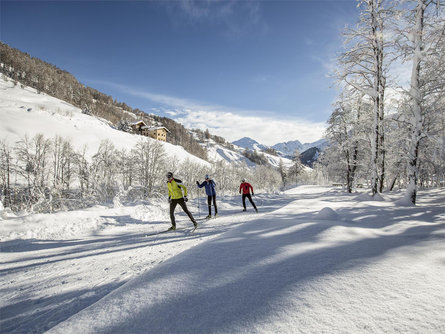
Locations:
161 232
207 218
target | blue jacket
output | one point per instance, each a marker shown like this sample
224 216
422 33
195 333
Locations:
210 187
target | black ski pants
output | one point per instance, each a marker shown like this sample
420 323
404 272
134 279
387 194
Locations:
181 202
250 199
209 203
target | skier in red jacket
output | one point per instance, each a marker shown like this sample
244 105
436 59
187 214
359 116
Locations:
245 188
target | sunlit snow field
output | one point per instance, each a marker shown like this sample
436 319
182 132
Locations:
313 260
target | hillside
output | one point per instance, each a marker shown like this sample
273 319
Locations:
25 111
47 78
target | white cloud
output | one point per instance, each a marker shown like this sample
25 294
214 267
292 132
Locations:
266 130
233 124
238 18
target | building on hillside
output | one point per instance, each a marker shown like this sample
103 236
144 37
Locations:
137 126
158 133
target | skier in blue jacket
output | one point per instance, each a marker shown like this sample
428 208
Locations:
210 185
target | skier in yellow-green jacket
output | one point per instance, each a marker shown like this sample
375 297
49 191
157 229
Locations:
175 197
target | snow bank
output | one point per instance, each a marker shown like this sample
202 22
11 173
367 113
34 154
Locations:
76 224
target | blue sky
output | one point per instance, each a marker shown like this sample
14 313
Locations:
239 68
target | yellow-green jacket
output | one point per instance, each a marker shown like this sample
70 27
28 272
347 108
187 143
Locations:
174 189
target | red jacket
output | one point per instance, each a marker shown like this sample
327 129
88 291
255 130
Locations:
245 187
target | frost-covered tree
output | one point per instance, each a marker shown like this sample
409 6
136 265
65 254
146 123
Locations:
33 155
364 66
149 159
104 172
269 179
124 125
283 172
6 171
63 162
297 168
347 136
424 48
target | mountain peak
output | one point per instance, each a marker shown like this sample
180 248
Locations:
249 143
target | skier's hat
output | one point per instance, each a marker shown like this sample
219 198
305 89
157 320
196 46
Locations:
207 177
169 175
243 180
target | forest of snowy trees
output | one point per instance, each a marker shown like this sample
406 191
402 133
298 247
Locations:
41 174
386 129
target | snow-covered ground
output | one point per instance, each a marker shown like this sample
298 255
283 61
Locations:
314 260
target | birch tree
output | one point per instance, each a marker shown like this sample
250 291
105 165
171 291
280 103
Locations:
296 168
363 67
346 132
149 159
6 171
425 47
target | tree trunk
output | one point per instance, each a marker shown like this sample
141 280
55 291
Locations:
416 120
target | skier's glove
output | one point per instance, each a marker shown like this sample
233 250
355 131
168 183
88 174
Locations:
169 200
197 183
253 194
185 198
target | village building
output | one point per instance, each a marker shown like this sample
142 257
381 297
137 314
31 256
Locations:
137 126
158 133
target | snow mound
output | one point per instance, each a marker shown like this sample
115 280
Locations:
328 214
6 213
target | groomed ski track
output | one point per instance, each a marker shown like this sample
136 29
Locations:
293 270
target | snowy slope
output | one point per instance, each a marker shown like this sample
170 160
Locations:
314 260
25 112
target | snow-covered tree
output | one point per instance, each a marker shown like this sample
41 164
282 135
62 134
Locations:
297 168
63 162
424 47
283 172
347 135
6 171
364 66
104 172
149 159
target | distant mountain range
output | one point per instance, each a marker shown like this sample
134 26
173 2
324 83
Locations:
289 148
286 149
309 152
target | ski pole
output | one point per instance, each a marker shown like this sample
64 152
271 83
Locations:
199 209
